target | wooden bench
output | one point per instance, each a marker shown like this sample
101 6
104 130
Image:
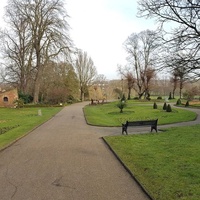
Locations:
152 123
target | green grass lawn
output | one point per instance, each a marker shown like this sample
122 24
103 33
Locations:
166 164
14 123
109 115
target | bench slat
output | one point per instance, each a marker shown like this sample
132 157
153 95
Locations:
142 123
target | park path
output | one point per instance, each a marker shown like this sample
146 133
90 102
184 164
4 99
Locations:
65 159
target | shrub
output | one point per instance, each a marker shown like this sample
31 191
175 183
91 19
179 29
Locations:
19 103
159 98
70 99
165 106
178 102
137 98
121 105
187 104
26 98
169 109
155 105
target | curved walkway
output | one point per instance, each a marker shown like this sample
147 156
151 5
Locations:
65 159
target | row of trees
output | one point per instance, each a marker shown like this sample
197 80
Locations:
40 59
176 50
38 55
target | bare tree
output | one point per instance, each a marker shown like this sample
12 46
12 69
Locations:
43 35
100 80
86 72
16 51
184 16
128 75
142 55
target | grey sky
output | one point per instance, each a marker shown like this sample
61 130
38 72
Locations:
100 28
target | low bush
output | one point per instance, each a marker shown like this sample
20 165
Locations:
165 106
187 104
169 109
155 105
178 102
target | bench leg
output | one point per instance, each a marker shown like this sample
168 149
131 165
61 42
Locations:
124 129
155 128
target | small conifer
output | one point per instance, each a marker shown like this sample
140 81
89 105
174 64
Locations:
169 109
178 102
165 106
187 104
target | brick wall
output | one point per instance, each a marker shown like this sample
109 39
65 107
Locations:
7 98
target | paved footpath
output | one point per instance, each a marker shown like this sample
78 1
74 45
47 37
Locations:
65 159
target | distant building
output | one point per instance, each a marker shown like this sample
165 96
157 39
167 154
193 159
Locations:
7 98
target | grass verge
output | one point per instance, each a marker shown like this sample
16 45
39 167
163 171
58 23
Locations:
166 164
15 123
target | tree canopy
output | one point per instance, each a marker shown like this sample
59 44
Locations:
37 34
184 38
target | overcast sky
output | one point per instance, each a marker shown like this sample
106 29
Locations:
100 27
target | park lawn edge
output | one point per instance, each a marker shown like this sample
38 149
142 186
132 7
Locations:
10 143
170 135
145 190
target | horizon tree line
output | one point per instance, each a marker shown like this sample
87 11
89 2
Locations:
40 59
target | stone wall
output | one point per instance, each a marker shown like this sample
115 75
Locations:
7 98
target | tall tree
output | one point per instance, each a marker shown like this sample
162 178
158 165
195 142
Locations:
16 50
43 34
184 17
142 55
86 72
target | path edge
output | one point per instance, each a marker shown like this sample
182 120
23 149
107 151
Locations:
128 170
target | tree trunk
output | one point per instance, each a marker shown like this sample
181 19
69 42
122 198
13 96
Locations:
140 94
129 93
173 93
36 91
37 84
